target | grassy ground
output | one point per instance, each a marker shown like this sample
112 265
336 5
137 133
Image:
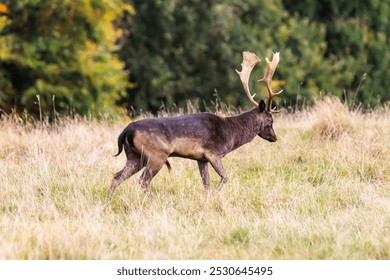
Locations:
322 191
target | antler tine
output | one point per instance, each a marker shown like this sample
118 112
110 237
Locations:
267 79
248 63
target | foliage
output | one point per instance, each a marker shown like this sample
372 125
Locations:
60 50
179 51
357 37
174 51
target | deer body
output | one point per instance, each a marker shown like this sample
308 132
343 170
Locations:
203 137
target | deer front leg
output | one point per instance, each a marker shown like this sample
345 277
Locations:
216 163
204 172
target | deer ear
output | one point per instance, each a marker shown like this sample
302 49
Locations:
261 106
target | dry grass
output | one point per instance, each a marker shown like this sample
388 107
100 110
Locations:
321 192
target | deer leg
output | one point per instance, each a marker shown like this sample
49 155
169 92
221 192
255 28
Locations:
132 166
151 169
216 163
204 172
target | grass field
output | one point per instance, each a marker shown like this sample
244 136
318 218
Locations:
322 191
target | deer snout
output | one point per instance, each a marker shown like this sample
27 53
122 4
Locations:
268 135
272 139
269 138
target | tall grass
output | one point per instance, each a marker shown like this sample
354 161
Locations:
322 191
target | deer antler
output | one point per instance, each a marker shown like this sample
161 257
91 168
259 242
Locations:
267 79
248 63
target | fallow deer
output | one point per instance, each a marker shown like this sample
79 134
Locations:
204 137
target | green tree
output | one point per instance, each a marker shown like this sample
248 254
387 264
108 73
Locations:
172 53
63 49
265 27
178 50
357 36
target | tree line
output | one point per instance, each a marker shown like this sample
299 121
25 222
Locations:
99 56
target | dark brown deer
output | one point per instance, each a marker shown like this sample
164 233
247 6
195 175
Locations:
203 137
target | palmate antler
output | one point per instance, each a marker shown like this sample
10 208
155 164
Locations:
249 62
267 79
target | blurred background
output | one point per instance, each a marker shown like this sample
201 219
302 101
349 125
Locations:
111 56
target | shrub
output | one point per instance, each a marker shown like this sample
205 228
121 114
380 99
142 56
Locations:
333 119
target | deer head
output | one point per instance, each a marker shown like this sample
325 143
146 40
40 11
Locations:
249 62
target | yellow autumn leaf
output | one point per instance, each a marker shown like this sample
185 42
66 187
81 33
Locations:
4 9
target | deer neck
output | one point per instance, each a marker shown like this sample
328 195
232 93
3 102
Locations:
244 127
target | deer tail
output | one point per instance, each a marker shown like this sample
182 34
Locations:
122 139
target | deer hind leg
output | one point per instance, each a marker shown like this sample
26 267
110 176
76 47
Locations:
216 163
204 173
133 165
153 166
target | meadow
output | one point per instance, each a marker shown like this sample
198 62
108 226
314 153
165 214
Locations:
322 191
